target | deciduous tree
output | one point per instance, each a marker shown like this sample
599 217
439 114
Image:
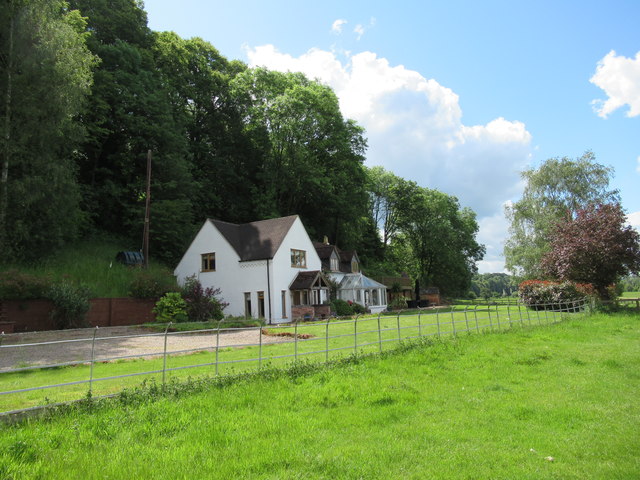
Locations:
553 191
595 247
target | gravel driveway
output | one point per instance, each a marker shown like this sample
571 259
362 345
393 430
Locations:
75 345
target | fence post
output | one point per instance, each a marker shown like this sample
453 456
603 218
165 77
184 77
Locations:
509 314
326 343
295 341
93 357
497 317
466 318
260 347
355 335
419 322
453 322
490 320
475 314
379 334
398 323
218 344
164 355
438 320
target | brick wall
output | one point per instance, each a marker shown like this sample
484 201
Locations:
34 315
298 312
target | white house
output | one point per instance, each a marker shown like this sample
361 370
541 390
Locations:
343 268
266 269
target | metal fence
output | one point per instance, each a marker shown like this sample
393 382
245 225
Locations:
101 365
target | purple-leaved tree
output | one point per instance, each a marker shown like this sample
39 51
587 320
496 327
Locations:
595 247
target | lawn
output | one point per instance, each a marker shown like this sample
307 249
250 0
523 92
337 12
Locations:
558 401
318 342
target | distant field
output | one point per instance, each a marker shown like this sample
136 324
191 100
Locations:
631 294
550 402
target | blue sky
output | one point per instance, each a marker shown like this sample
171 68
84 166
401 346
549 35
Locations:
456 95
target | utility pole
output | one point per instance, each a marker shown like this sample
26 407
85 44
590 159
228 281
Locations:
145 235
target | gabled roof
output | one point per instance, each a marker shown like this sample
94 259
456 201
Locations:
306 280
324 250
256 240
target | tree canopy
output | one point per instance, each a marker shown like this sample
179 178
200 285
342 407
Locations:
554 191
88 89
595 247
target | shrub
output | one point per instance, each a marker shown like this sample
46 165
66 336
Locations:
341 308
15 285
542 294
171 308
202 303
152 284
357 308
398 303
70 304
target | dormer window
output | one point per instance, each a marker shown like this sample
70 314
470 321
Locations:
334 263
355 268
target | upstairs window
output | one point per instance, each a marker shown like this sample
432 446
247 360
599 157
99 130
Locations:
298 258
208 262
355 268
335 263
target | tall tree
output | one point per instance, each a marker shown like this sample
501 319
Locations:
555 190
441 236
131 113
595 247
312 158
46 75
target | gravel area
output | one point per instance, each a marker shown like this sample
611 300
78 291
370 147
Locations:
75 345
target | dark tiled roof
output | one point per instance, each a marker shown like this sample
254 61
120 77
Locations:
305 280
323 250
256 240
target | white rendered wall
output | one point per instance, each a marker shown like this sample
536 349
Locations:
234 278
284 273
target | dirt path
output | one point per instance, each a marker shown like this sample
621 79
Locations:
75 345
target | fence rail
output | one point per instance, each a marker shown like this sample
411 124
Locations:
30 372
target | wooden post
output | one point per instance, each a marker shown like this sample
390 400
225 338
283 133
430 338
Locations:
145 235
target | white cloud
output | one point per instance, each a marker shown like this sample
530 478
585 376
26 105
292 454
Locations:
619 77
414 128
359 31
634 220
336 27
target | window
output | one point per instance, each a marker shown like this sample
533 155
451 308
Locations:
298 258
261 304
247 304
208 262
284 304
355 268
335 263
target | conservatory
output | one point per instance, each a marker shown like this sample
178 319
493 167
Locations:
357 288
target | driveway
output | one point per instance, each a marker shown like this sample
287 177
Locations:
61 346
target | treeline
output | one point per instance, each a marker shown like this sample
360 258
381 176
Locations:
87 89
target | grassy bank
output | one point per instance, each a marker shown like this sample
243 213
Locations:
91 262
558 401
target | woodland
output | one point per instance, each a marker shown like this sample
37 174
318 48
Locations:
88 89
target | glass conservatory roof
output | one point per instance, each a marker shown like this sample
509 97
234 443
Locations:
353 281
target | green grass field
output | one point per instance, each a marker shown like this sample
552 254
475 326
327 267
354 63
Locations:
558 401
325 342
